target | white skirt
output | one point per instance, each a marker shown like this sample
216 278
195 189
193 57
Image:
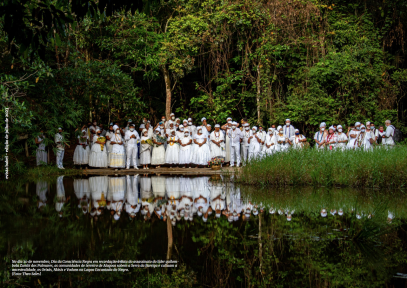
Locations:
201 155
98 158
158 157
42 155
172 154
117 160
81 156
227 148
145 157
185 156
217 151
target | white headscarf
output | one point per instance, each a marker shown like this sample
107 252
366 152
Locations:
323 124
115 127
278 128
203 119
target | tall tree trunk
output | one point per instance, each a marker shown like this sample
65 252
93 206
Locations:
258 94
167 92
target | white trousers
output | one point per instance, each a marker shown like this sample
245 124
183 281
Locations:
245 153
131 153
60 158
235 150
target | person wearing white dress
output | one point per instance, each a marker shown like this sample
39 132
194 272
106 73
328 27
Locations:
117 158
98 153
298 140
254 144
289 129
132 205
185 149
282 141
319 136
82 151
41 191
262 135
145 150
132 137
60 141
158 155
363 140
109 136
330 139
117 193
180 132
247 133
201 154
192 128
92 131
225 128
82 192
235 136
341 138
41 153
172 152
353 135
270 142
388 136
60 200
217 141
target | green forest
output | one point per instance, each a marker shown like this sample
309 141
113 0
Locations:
64 63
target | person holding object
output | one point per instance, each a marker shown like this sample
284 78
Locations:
185 149
217 141
60 141
319 136
201 154
158 155
235 136
341 138
172 151
42 153
298 140
82 151
98 152
270 142
109 135
353 135
330 140
132 138
145 149
117 158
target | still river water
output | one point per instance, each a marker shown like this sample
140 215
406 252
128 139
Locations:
218 233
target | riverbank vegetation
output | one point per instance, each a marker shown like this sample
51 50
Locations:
334 60
379 168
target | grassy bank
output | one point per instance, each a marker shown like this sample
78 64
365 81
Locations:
379 168
50 170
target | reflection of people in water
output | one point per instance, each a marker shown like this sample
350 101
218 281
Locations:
147 197
132 205
117 192
82 192
41 190
324 213
61 200
98 188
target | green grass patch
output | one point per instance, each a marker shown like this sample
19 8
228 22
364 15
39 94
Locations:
379 168
49 170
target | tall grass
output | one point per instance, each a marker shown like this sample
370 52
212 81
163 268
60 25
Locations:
380 168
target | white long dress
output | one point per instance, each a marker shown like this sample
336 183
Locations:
270 139
145 154
227 145
341 137
82 192
108 145
172 152
352 141
98 157
158 184
185 151
201 154
296 143
254 147
117 158
81 155
283 146
158 155
217 151
99 186
41 154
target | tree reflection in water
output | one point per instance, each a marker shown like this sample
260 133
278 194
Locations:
222 235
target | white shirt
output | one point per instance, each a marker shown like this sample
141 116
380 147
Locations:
389 135
235 136
246 135
59 138
288 131
341 137
132 141
319 136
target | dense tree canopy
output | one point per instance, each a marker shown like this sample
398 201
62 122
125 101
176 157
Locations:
334 60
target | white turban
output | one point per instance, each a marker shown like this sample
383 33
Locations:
287 120
158 129
59 128
177 119
217 126
115 127
203 119
339 126
83 130
254 128
97 129
185 120
172 114
170 122
208 125
116 217
367 123
199 128
229 118
279 127
357 123
362 126
144 130
234 123
189 119
296 130
332 127
323 124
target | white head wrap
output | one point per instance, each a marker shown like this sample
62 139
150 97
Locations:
362 126
234 123
203 119
208 125
229 118
189 119
339 126
185 120
287 120
144 130
296 130
115 127
323 124
217 126
254 128
332 127
59 128
116 217
279 127
357 123
172 114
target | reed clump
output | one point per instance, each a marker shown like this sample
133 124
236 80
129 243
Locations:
379 168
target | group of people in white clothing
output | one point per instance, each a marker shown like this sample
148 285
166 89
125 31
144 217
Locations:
173 198
172 142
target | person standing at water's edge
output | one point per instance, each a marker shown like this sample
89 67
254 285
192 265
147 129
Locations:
131 137
60 141
388 136
42 154
98 152
235 136
217 143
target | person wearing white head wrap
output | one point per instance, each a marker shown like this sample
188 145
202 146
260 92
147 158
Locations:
82 151
319 136
353 135
92 131
363 139
330 139
201 154
217 143
289 129
172 152
98 152
341 138
131 137
158 155
226 128
117 158
262 135
269 142
145 149
60 141
41 153
185 149
298 140
235 136
254 144
282 143
246 134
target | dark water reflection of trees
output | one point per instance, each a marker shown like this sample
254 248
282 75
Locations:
265 250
